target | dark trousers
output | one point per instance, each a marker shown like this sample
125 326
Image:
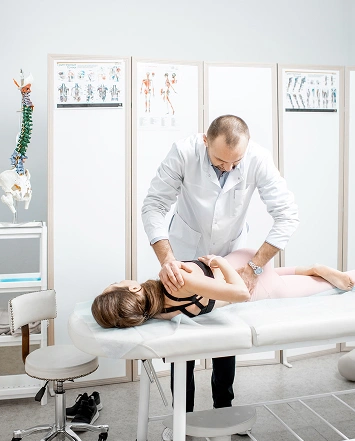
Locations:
223 373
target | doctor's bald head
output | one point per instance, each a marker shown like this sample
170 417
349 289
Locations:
231 128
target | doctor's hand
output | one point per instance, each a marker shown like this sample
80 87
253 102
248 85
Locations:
247 274
170 275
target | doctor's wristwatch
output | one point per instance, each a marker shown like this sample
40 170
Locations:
257 269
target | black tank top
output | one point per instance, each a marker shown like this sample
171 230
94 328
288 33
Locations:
192 300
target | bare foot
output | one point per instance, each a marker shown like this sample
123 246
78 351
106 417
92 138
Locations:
337 278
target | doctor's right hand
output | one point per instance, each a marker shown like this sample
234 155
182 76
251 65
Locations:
170 275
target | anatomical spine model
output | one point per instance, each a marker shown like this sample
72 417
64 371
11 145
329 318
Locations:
16 181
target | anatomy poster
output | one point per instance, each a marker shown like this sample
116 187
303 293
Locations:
89 84
311 91
160 90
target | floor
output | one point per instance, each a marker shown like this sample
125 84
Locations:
253 384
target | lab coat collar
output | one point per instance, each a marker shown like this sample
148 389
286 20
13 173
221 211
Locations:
208 169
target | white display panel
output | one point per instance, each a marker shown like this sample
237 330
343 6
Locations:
250 93
159 120
88 203
167 102
310 143
351 167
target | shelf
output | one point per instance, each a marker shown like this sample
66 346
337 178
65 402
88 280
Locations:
9 340
21 385
18 386
20 282
22 225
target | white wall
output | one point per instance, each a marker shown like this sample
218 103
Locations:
351 28
283 31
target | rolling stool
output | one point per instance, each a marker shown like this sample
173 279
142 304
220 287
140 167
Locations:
218 424
58 363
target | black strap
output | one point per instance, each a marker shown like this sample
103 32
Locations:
179 299
177 307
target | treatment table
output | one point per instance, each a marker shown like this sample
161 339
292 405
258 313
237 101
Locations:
241 328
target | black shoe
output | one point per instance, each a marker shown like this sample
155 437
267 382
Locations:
96 396
87 412
73 410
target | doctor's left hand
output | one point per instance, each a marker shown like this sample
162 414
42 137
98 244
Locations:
250 279
170 275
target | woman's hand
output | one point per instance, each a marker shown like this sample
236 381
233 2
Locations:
210 260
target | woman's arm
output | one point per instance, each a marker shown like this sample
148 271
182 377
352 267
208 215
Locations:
232 290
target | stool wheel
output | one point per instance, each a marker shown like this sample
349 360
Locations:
103 436
16 439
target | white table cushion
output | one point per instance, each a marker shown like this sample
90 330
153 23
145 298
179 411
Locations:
60 362
282 321
216 331
271 322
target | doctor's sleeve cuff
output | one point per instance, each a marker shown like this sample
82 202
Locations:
156 239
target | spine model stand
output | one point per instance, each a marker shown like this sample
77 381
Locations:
16 181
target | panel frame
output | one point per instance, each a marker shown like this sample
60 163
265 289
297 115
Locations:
275 153
134 152
51 60
134 162
348 71
281 68
340 248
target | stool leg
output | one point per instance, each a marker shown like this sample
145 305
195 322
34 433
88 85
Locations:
50 435
179 422
143 408
72 436
83 427
60 415
26 432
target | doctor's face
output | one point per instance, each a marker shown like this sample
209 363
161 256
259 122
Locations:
222 155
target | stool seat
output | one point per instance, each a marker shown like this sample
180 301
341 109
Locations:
60 363
346 365
218 422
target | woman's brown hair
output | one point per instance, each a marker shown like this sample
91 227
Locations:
118 307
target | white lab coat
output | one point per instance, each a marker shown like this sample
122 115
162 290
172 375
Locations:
208 218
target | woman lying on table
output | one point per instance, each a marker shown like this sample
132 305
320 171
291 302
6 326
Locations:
213 282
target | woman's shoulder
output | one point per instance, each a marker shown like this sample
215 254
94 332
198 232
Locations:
194 266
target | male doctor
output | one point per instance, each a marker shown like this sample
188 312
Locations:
212 179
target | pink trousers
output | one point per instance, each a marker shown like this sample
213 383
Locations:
275 283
